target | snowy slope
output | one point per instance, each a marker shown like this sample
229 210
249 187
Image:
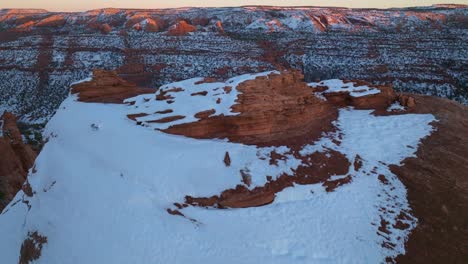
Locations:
102 186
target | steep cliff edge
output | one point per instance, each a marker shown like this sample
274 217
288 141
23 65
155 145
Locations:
106 87
16 160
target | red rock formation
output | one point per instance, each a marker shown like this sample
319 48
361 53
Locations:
167 111
202 93
205 114
181 28
406 100
26 26
167 119
380 101
135 116
274 110
16 159
107 87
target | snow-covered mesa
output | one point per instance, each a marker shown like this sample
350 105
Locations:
101 192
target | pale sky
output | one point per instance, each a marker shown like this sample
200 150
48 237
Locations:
82 5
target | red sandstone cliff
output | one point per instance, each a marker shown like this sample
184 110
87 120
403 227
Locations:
16 159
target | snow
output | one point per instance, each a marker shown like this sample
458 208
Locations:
104 192
88 79
370 134
292 20
298 22
258 24
396 106
337 85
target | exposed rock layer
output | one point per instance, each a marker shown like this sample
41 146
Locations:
16 160
278 109
380 101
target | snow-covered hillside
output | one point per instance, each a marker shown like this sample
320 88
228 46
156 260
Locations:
103 189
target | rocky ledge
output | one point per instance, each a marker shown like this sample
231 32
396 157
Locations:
106 87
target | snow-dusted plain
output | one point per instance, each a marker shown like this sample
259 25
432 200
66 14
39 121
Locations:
102 186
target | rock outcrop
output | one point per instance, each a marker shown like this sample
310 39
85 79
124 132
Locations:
31 248
107 87
378 101
407 101
279 109
16 160
181 28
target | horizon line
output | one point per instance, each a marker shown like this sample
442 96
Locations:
242 6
